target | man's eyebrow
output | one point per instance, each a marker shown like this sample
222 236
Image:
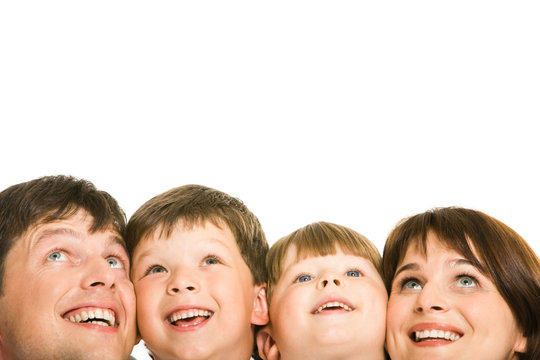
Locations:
410 266
59 231
115 239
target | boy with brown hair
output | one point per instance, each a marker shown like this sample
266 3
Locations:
326 297
199 276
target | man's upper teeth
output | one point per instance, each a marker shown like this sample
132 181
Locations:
333 304
181 315
95 316
436 334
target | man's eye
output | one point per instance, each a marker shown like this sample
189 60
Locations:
353 273
303 278
115 263
57 256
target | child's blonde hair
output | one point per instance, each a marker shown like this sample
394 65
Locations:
318 239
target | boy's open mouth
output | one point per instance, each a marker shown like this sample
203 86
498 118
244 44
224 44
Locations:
189 317
92 315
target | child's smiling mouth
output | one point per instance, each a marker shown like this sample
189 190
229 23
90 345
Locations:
332 306
189 317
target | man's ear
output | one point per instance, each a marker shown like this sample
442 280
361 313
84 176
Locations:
268 349
259 315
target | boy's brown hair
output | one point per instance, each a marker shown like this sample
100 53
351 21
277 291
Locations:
318 239
195 205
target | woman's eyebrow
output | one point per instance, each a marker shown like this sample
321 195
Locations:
410 266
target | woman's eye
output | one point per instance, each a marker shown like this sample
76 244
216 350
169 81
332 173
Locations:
57 256
155 269
411 284
303 278
353 273
466 282
115 263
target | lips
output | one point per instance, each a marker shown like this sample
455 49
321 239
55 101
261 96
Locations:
332 305
434 333
92 315
189 317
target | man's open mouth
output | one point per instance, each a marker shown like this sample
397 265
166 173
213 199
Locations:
189 317
98 316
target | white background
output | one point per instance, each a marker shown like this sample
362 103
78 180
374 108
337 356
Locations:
359 113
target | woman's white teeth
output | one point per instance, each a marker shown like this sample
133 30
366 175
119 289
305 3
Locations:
333 305
436 334
97 316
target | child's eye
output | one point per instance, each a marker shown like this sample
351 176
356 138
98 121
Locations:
466 281
211 260
353 273
410 284
115 263
303 278
57 256
155 269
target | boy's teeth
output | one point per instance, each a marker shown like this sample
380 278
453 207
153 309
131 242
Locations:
182 315
436 334
332 305
97 316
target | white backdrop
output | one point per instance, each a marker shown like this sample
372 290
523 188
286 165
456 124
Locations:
359 113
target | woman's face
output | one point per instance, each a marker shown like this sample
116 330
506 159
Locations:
442 307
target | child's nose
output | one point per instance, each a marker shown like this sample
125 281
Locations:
329 281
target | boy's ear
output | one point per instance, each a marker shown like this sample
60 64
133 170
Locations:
268 349
259 315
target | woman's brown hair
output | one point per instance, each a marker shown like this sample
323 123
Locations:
491 246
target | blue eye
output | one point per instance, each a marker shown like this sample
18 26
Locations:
57 256
411 284
353 273
303 278
155 269
466 281
211 260
115 263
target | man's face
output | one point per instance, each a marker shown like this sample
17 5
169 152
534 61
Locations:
67 294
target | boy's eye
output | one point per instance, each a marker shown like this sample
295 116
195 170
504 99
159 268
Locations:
57 256
155 269
466 281
211 260
353 273
115 263
303 278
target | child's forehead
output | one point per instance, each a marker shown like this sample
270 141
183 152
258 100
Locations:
293 255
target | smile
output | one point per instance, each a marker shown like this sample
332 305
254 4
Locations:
334 305
434 335
98 316
189 317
